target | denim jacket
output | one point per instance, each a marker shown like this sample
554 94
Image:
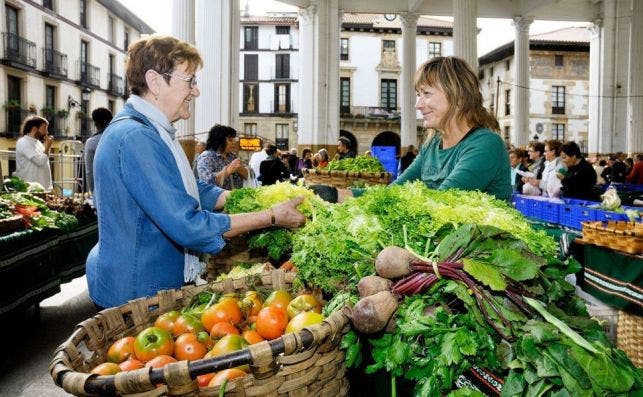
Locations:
145 216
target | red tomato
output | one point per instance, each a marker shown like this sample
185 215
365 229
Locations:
226 310
303 303
203 380
121 350
166 320
131 364
188 347
252 336
152 342
186 323
106 369
280 298
160 361
223 328
271 322
229 374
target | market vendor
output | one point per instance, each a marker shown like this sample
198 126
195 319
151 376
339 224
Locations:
463 149
154 218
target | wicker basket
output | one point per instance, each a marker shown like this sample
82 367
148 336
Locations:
630 336
344 179
617 235
233 254
307 363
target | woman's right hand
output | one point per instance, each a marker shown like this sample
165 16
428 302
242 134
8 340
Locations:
287 215
234 165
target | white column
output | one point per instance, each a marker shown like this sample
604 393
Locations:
408 128
635 84
319 77
183 22
465 31
595 60
607 77
520 90
218 40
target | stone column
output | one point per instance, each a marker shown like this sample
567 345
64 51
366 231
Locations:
318 115
607 77
218 40
408 127
593 139
520 94
465 31
183 22
635 84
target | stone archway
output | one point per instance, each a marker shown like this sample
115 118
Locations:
387 138
351 138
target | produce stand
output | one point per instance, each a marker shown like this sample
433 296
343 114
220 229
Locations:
33 264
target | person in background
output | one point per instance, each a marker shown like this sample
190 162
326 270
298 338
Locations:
549 185
615 170
579 178
199 148
292 164
305 162
599 167
408 158
321 158
32 156
255 161
344 149
629 163
466 152
218 164
155 217
516 157
636 175
101 117
272 169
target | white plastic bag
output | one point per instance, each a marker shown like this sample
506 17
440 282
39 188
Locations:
251 180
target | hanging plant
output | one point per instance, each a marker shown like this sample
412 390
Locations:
62 113
80 114
12 104
47 111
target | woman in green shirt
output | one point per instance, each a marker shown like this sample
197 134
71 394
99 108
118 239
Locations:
463 150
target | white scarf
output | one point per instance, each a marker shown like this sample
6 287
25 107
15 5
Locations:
193 267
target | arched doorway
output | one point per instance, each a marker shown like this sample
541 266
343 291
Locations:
387 138
351 138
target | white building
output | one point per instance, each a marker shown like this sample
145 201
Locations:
62 59
558 86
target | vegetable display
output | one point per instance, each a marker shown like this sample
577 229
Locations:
357 164
35 212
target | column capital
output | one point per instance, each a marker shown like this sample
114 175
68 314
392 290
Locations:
522 24
595 27
409 19
308 14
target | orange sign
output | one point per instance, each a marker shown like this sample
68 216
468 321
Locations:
250 144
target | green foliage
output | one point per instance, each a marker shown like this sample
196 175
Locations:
356 164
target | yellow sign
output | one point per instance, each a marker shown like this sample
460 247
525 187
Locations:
250 144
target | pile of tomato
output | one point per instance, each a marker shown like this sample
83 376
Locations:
230 324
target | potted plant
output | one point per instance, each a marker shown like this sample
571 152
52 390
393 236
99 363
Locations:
47 111
62 113
12 104
80 114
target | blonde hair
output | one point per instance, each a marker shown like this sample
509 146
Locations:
461 88
160 53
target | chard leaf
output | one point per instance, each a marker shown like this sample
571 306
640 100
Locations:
514 265
485 273
575 376
537 389
514 384
603 371
459 238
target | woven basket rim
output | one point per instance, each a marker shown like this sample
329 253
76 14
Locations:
311 336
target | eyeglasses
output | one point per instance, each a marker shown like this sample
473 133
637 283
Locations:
190 80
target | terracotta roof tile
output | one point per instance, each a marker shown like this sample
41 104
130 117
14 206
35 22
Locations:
576 34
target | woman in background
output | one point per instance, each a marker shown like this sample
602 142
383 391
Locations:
218 164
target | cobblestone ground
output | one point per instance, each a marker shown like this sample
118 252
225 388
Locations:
29 339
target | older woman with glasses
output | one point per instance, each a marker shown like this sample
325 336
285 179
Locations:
218 164
154 217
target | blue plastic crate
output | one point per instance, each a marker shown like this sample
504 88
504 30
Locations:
551 212
536 208
522 204
582 214
565 216
604 215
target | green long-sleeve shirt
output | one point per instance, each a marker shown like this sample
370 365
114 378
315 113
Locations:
478 162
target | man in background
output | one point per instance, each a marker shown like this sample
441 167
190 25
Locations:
407 159
255 161
344 149
101 117
32 152
198 149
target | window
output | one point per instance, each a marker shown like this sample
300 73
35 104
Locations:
125 39
491 71
343 49
283 29
388 97
344 95
558 100
558 132
281 136
388 45
250 129
84 68
282 66
282 98
14 117
13 42
251 37
251 67
50 105
49 46
110 106
507 64
83 13
507 134
558 60
435 49
48 4
110 30
481 74
250 98
507 102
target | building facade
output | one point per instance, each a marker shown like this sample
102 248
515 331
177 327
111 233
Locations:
370 51
558 86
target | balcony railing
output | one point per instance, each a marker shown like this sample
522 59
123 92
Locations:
18 51
88 74
14 117
282 108
558 110
370 112
85 128
58 126
115 85
54 62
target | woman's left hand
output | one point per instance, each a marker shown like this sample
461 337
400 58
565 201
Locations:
287 215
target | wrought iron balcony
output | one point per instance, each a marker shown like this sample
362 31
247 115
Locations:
115 85
88 74
14 117
54 62
18 51
85 127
